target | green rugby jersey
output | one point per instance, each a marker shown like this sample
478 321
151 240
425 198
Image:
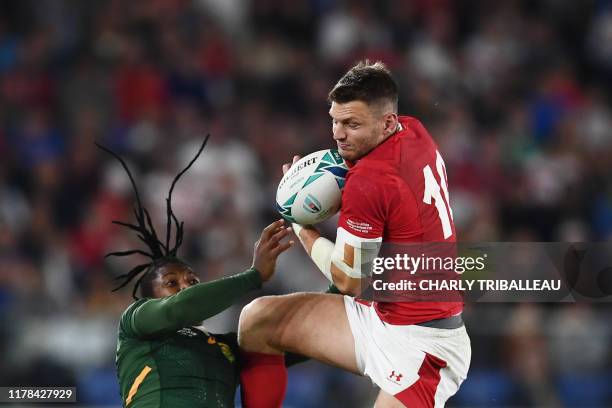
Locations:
163 361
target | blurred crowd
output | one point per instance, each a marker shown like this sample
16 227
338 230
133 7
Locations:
516 93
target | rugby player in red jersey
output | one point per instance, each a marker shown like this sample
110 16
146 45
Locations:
396 192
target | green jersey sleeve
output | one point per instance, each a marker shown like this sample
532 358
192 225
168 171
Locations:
190 306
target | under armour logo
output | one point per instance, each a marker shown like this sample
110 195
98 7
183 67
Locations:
397 377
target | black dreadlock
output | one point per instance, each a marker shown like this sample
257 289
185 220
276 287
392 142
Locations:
159 252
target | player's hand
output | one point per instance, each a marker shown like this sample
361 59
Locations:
287 166
269 247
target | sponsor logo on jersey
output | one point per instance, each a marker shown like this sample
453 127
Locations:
187 331
358 226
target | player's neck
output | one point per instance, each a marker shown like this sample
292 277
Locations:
398 128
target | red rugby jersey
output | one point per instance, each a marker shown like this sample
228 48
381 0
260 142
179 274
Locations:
399 192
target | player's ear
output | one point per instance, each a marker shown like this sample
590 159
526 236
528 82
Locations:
390 125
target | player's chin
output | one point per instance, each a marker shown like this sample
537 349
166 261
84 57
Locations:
349 155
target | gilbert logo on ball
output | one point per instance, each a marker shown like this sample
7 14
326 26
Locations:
311 191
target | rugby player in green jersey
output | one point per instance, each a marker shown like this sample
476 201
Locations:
165 358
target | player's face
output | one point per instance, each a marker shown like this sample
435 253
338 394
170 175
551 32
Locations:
357 127
173 278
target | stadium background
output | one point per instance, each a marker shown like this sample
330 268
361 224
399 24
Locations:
516 93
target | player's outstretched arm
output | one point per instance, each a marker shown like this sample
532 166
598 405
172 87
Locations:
201 301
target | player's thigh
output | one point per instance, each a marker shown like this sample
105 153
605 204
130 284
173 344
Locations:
385 400
311 324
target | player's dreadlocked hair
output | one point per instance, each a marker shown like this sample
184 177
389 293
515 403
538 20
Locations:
160 253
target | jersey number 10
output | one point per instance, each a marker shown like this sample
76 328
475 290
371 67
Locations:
432 190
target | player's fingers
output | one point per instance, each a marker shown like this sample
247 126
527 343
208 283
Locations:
282 247
272 241
282 233
287 166
271 229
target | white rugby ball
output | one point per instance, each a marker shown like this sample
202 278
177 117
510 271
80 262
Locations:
311 191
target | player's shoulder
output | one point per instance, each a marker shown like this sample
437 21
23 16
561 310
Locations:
412 123
129 311
413 134
126 322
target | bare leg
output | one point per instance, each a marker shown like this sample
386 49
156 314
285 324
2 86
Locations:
312 324
385 400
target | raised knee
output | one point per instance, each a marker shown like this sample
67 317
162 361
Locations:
254 317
